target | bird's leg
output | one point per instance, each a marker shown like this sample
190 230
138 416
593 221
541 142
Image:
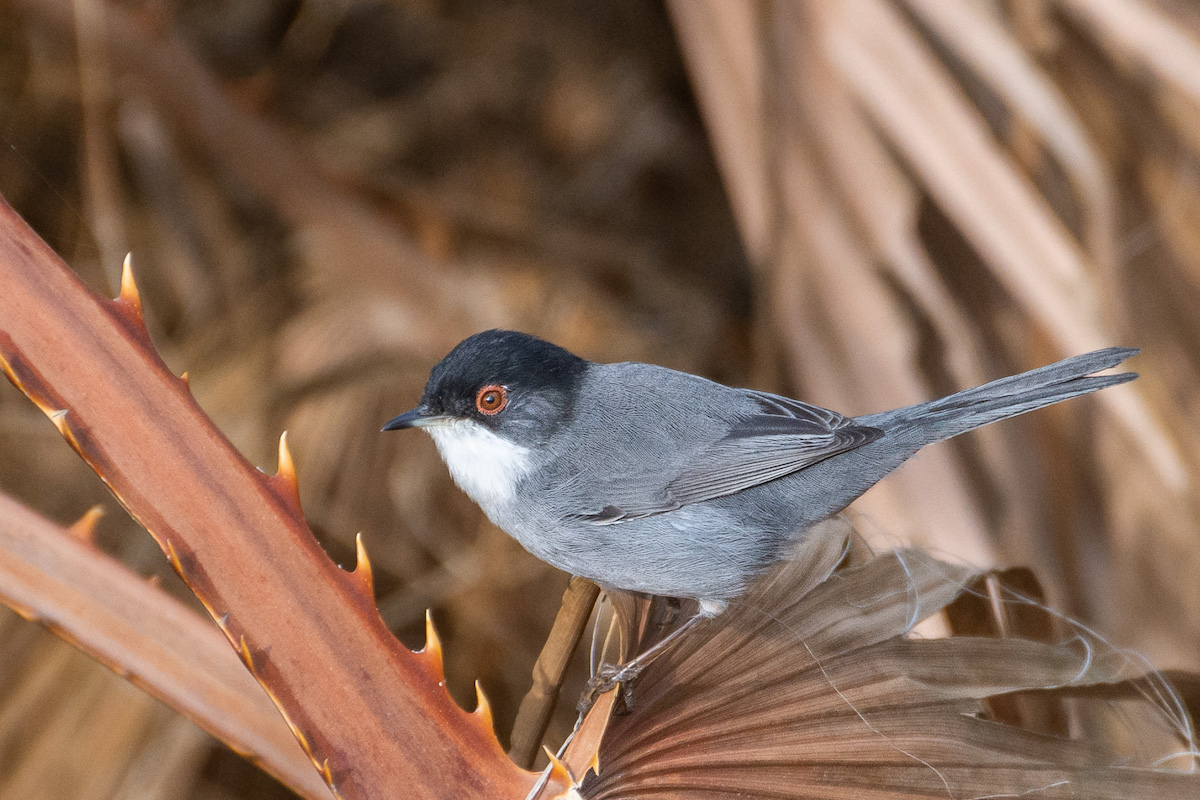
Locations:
609 676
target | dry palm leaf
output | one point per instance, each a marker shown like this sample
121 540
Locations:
369 712
931 190
59 578
1073 107
813 687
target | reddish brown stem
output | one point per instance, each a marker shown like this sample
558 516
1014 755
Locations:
372 715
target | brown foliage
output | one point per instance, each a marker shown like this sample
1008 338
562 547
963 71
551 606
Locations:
814 686
321 200
361 705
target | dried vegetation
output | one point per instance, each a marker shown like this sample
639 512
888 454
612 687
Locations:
322 198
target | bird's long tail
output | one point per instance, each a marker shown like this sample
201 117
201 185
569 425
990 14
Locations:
1008 397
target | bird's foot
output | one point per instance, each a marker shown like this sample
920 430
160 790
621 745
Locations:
609 677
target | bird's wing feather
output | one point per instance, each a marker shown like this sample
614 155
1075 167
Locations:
782 437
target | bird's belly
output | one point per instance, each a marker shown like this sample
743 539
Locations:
699 551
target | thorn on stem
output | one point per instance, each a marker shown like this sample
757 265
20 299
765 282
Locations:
483 709
129 297
558 770
84 528
59 418
362 568
433 645
173 560
244 652
285 475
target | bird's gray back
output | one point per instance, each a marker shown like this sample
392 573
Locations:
663 416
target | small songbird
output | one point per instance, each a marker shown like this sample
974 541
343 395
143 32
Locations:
646 479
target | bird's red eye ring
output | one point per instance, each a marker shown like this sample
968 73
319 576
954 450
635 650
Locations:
491 399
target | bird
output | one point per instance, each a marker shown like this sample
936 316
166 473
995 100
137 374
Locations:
651 480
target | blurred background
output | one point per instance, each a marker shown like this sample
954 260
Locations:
863 203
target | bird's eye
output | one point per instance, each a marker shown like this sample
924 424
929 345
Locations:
491 399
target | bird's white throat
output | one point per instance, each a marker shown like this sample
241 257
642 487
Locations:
485 466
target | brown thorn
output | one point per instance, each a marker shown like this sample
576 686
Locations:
285 475
287 467
483 709
56 415
594 764
187 384
173 560
7 369
84 528
59 418
244 652
362 569
296 732
299 734
26 612
433 645
558 770
37 401
129 291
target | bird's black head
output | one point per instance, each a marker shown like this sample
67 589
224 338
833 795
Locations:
514 384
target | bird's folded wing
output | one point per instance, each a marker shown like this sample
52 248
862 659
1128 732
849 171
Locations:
786 436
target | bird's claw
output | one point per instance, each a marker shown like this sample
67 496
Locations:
607 678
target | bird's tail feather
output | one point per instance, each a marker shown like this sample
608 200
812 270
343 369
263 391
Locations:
1008 397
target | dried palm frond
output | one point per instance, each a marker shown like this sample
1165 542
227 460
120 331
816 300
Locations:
936 191
322 197
813 686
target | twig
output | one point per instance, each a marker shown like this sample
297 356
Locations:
534 714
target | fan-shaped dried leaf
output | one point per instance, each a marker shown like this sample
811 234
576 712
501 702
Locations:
811 688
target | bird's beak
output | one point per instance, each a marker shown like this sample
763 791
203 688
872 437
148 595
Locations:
419 417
